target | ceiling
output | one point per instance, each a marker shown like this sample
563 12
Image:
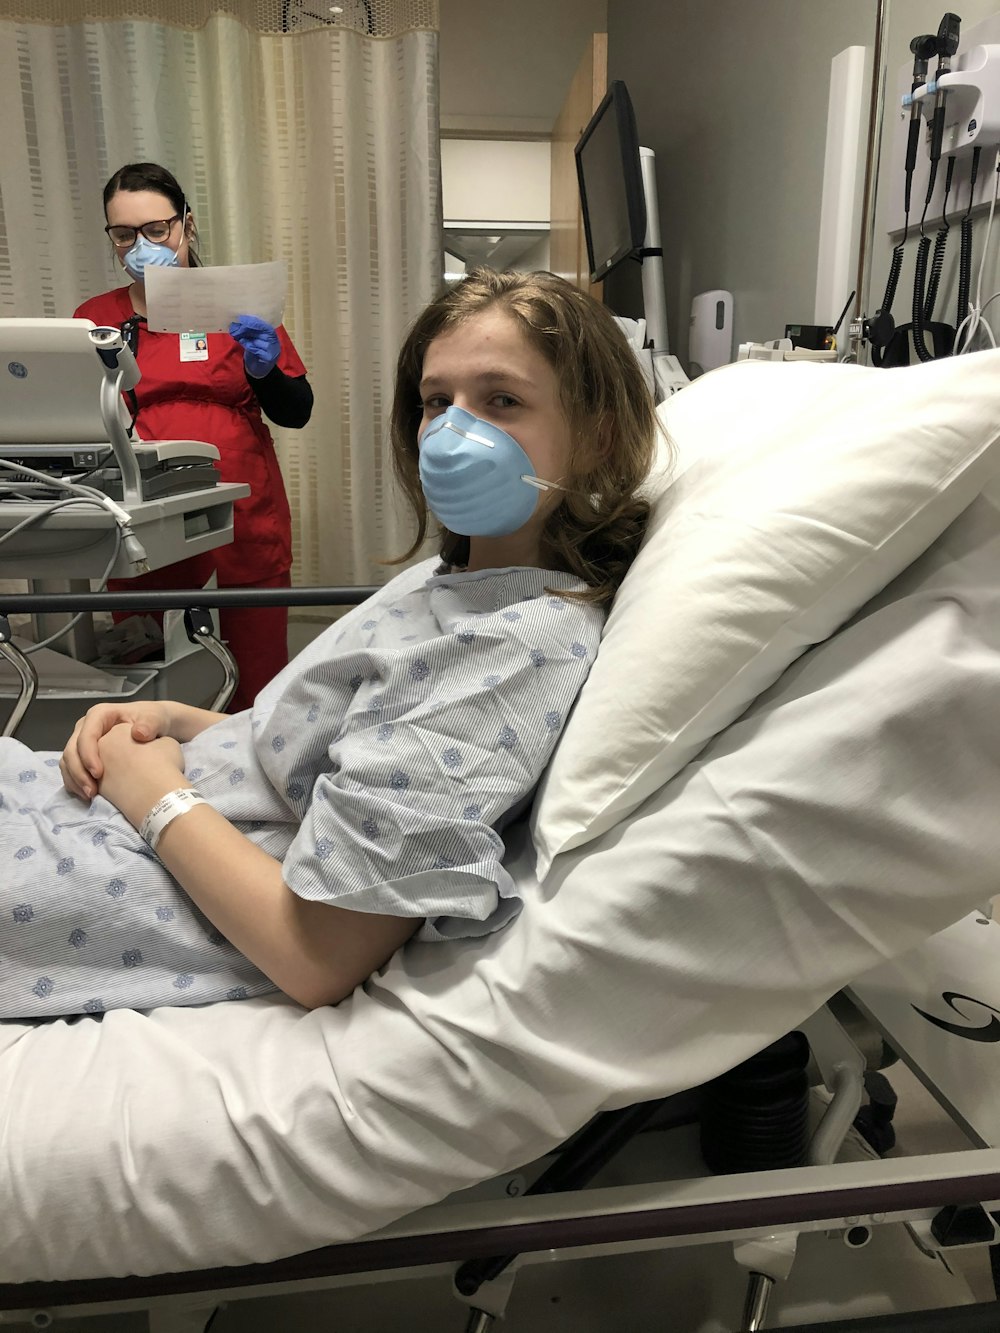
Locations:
505 67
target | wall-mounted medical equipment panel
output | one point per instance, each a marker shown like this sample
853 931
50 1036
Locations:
966 100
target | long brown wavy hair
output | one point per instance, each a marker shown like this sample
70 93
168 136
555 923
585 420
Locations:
595 531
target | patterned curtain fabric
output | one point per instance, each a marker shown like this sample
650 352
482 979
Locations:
305 132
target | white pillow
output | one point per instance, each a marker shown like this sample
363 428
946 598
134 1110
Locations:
801 491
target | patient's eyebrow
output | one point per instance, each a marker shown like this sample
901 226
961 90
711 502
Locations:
486 377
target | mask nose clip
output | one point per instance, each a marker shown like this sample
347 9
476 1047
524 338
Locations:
469 435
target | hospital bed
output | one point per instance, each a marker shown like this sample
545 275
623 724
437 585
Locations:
780 781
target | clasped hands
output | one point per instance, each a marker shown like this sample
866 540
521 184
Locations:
125 753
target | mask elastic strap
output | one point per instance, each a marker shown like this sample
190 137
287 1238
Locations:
541 485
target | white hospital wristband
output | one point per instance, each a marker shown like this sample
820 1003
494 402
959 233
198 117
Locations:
166 810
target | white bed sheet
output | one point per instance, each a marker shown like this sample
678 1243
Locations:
849 814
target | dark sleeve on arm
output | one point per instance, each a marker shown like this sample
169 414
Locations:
287 400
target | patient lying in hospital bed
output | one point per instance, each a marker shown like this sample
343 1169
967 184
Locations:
361 798
784 768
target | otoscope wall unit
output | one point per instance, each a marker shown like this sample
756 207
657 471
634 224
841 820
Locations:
971 104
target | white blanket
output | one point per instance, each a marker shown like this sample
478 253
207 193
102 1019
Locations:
770 872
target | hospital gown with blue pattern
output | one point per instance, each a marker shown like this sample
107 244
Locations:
379 767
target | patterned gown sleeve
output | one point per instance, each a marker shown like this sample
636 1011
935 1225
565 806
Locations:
439 744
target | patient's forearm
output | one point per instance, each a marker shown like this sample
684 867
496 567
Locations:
315 952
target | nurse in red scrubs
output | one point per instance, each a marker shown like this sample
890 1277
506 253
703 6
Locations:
216 387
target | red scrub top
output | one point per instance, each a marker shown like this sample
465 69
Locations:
211 400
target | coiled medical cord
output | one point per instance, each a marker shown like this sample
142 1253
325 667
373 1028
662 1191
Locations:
895 265
946 43
919 276
974 321
965 245
920 273
882 327
940 245
891 284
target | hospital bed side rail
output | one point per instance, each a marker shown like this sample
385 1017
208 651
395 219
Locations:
196 603
179 599
663 1213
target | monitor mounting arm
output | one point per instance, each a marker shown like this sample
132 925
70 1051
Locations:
120 374
668 374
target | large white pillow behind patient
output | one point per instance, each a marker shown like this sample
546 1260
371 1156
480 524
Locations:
801 490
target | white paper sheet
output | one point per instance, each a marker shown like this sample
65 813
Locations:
207 300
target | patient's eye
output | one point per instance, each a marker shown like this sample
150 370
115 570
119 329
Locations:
504 400
435 402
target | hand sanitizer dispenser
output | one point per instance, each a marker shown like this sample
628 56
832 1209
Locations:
711 340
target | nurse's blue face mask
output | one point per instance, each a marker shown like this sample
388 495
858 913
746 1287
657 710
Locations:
476 479
148 254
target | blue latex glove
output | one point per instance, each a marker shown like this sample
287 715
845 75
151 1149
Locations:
261 345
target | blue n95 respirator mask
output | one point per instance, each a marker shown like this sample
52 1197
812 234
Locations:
476 479
145 254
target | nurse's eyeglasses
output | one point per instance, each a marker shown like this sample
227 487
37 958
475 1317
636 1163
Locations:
156 232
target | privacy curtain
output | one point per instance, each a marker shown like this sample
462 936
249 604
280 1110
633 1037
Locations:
301 130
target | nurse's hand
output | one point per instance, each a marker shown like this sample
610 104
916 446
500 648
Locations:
82 766
260 343
137 774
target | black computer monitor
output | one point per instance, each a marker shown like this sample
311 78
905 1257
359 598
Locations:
607 168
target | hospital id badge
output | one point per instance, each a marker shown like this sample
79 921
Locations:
194 346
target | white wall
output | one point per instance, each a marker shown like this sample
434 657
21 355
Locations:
495 180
